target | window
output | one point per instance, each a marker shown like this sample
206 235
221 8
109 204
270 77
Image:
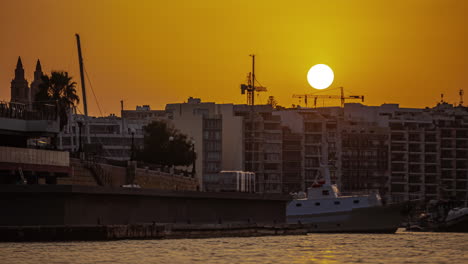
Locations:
325 192
317 204
298 205
356 201
337 202
213 155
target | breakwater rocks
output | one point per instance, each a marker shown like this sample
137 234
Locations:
143 231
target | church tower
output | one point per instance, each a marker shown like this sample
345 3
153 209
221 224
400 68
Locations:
19 85
37 81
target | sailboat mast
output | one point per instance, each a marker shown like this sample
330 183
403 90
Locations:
83 88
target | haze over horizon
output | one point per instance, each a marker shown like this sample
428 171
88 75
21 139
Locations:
155 52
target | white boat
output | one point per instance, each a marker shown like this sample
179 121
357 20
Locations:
325 210
457 220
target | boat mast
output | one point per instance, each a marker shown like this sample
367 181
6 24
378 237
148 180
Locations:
83 87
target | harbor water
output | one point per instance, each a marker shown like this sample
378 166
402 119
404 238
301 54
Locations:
402 247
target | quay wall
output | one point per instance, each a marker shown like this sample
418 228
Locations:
143 231
117 176
39 205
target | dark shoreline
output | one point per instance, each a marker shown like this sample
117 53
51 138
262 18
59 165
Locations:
143 231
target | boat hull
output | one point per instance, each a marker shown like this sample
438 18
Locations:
456 225
376 219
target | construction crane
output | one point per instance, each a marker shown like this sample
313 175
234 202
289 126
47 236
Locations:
250 87
321 96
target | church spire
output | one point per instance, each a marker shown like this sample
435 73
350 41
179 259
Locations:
36 82
19 71
19 85
19 64
38 73
38 66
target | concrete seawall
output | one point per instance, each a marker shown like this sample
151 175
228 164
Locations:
143 231
62 205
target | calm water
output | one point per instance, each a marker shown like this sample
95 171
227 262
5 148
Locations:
402 247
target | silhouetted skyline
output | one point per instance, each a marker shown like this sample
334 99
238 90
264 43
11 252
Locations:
152 52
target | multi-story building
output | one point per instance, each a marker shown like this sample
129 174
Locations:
292 179
453 144
262 143
405 153
364 158
112 136
143 114
216 133
318 142
427 149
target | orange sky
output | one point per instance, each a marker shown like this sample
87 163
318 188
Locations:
157 52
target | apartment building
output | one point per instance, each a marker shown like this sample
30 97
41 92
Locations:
293 178
364 158
318 140
427 149
405 153
262 143
216 132
111 135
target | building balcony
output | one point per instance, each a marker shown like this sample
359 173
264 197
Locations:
415 149
292 148
276 131
398 149
447 146
34 159
398 180
398 170
398 139
414 139
315 143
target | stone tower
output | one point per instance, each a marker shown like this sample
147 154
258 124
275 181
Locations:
37 81
19 85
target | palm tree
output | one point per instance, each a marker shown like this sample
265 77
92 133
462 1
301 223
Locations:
59 89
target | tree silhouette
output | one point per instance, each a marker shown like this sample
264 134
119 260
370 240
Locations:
60 90
272 101
164 145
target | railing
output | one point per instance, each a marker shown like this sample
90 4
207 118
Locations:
27 111
102 177
34 156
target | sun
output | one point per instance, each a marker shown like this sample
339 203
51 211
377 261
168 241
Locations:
320 76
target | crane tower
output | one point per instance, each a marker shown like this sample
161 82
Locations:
250 87
342 97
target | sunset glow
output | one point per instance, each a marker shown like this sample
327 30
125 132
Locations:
159 52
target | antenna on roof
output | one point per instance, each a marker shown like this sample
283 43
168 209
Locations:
461 96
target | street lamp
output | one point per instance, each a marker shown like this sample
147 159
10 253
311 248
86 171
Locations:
132 154
194 158
171 155
80 146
